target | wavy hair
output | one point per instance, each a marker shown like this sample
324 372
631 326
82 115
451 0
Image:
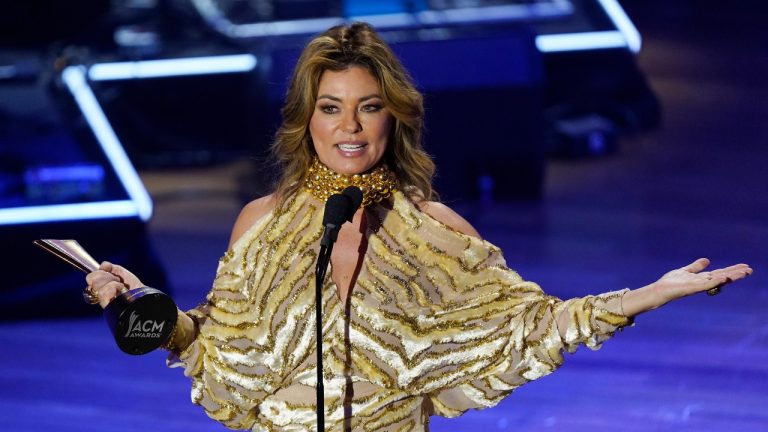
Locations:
337 49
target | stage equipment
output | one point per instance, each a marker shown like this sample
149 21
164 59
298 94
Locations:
61 175
339 208
561 25
543 55
178 111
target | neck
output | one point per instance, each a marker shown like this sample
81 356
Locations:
376 184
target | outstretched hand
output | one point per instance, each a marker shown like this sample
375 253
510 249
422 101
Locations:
679 283
691 279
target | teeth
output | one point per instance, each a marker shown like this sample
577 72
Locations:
351 147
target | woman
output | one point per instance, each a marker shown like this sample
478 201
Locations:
421 316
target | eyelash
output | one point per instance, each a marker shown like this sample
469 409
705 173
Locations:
371 108
328 109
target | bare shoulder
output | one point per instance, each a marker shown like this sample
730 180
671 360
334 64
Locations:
250 214
447 216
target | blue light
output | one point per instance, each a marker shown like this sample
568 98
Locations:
63 212
65 173
172 67
626 35
280 28
623 23
469 15
580 41
74 78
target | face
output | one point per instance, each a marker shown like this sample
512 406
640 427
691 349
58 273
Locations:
350 125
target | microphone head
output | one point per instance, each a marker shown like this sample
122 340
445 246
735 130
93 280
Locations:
336 209
355 196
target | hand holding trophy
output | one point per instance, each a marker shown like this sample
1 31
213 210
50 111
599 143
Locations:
141 319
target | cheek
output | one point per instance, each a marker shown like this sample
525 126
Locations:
318 130
384 129
313 132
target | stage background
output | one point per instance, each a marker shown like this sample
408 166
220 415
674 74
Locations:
697 185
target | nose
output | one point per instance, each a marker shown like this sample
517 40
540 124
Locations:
350 123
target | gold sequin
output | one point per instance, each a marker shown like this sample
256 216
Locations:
376 186
436 318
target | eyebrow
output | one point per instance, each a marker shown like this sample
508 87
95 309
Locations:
362 99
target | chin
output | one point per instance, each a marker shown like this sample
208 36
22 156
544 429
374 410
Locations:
352 169
352 166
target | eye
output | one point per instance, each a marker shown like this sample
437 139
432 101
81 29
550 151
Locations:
329 109
370 108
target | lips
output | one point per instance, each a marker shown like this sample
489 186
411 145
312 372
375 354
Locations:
351 148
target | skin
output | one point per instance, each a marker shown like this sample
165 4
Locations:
350 111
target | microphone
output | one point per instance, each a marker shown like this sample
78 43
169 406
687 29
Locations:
338 209
355 196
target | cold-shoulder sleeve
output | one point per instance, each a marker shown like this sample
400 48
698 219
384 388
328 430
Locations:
213 359
471 329
238 357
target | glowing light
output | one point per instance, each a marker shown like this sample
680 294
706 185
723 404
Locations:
74 78
467 15
623 23
63 212
580 41
492 13
281 28
172 67
625 35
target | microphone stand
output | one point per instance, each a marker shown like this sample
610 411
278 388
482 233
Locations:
322 267
338 209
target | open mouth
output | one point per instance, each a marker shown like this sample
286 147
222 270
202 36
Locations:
351 147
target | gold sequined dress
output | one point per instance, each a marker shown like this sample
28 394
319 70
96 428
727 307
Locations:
435 325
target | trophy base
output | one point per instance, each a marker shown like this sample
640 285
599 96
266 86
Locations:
141 319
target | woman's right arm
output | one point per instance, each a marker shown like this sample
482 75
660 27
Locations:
111 279
250 214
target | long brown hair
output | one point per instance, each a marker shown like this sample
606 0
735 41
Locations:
339 48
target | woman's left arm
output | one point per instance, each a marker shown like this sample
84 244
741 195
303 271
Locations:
675 284
680 283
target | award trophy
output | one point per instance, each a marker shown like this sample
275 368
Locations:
141 319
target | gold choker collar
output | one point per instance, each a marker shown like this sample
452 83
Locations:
377 185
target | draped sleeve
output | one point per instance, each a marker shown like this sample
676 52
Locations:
471 329
248 341
436 324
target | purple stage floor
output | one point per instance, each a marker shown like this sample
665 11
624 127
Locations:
696 187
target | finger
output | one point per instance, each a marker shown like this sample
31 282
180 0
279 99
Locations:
735 275
90 277
107 286
121 272
106 266
126 276
736 267
697 266
726 277
99 277
106 293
